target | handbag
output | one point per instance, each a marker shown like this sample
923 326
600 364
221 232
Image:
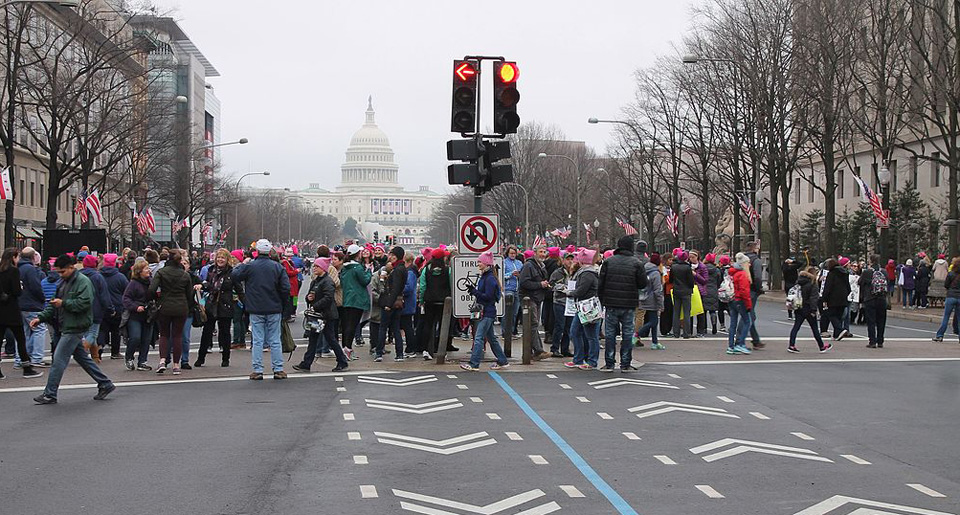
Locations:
589 310
153 309
312 321
286 339
199 311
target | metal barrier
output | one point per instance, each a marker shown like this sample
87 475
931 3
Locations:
507 324
444 336
527 332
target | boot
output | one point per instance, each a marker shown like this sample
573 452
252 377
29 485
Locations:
30 372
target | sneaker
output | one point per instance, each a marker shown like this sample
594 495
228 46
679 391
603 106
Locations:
498 366
871 345
938 338
224 364
130 364
556 355
398 359
567 354
723 328
161 367
731 351
741 349
840 336
588 366
378 359
608 368
42 364
328 354
186 366
848 334
280 374
116 356
468 367
657 346
571 364
758 345
410 355
427 356
256 376
542 356
176 370
880 345
628 368
103 392
826 348
339 368
300 368
143 367
793 350
44 399
31 373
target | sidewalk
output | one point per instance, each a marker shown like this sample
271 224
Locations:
931 315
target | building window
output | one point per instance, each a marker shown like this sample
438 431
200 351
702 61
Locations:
43 194
796 191
810 189
856 185
33 193
840 178
23 188
935 170
914 172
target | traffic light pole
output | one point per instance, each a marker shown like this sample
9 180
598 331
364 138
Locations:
478 190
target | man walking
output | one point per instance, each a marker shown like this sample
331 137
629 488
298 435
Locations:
621 279
267 287
534 284
756 290
873 300
32 302
72 309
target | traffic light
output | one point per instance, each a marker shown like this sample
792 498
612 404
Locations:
464 113
505 97
376 236
497 173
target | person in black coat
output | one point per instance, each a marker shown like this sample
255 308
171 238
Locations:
836 294
922 284
322 302
810 295
10 317
622 276
791 269
437 287
222 296
681 276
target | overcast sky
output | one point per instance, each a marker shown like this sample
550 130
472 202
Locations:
295 74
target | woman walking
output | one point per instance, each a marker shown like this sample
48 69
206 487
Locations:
836 295
321 300
222 297
810 295
488 293
952 302
354 279
135 303
175 295
10 317
585 336
740 306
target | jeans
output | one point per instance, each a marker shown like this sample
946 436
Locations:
836 318
171 337
561 330
71 345
313 341
138 340
618 321
93 333
907 297
483 332
754 335
950 305
805 315
406 323
586 342
509 322
266 332
682 305
876 315
846 318
389 321
185 343
240 323
223 339
740 323
651 321
36 338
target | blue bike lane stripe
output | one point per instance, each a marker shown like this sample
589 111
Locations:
618 502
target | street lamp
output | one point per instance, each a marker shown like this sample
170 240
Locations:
236 208
884 177
133 222
526 209
544 155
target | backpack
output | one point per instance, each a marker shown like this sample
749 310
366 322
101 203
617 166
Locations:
795 298
878 284
725 293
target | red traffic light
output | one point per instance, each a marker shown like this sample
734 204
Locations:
465 72
509 73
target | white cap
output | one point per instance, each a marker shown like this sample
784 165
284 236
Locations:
354 249
264 245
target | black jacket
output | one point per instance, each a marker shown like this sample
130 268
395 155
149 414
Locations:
10 307
809 291
436 277
220 290
323 298
621 279
681 276
953 285
531 275
836 288
866 285
393 289
175 290
790 273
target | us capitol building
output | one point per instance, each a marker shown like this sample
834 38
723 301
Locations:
370 194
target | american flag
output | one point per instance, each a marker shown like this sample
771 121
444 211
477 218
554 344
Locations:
181 224
686 208
94 207
561 232
749 212
871 198
146 223
539 241
630 230
673 222
207 230
589 232
81 208
223 235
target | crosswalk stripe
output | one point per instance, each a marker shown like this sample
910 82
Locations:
360 460
348 416
856 459
353 435
803 436
631 436
605 416
759 415
538 460
571 491
493 416
513 436
925 490
665 460
368 492
710 492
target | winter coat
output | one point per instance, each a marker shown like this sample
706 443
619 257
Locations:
134 296
922 283
376 290
265 285
222 292
791 273
410 293
354 279
551 265
175 290
334 274
558 283
487 293
700 276
836 288
710 293
809 291
531 275
756 273
116 285
865 284
393 286
10 308
75 315
31 298
952 284
651 298
681 276
324 302
588 283
741 286
891 272
102 304
621 279
940 270
509 267
435 282
49 284
909 274
293 273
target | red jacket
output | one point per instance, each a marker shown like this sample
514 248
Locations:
741 286
891 272
292 273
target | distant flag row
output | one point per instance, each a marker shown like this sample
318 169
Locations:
561 232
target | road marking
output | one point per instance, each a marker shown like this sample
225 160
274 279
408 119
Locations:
565 386
675 376
360 460
621 381
451 376
698 386
444 447
605 416
927 331
513 436
725 399
802 361
665 459
338 379
615 499
583 399
490 509
659 408
368 492
551 376
830 506
759 415
348 416
339 388
462 387
344 402
744 446
353 435
416 409
493 416
804 436
537 459
571 491
856 459
631 436
477 400
709 491
408 381
925 490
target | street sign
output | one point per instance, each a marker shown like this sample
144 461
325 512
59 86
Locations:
479 233
465 275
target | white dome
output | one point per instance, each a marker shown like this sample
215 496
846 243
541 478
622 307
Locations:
369 161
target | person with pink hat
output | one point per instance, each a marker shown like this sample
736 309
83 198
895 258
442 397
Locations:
487 292
585 335
116 285
323 306
101 303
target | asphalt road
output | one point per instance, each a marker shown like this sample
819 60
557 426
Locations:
793 439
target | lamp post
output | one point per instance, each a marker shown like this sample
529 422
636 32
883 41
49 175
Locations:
526 210
133 223
636 132
576 167
236 207
884 176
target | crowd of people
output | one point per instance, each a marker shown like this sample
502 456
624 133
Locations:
88 305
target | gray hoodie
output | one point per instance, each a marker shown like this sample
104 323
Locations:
651 298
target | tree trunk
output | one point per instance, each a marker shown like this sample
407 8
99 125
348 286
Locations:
829 192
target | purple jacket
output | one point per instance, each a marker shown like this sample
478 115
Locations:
700 277
909 274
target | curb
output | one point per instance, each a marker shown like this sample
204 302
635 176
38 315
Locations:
897 312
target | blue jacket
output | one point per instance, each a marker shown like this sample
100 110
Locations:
116 285
32 298
510 282
266 285
487 293
101 294
50 283
410 294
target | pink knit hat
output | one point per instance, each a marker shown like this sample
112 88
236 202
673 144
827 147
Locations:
426 252
724 260
527 254
586 256
843 261
237 254
486 258
554 252
110 260
608 254
710 258
324 263
90 261
571 248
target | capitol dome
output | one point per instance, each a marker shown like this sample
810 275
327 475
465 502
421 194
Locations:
369 164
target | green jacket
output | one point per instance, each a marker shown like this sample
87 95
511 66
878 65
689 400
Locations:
76 312
354 279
